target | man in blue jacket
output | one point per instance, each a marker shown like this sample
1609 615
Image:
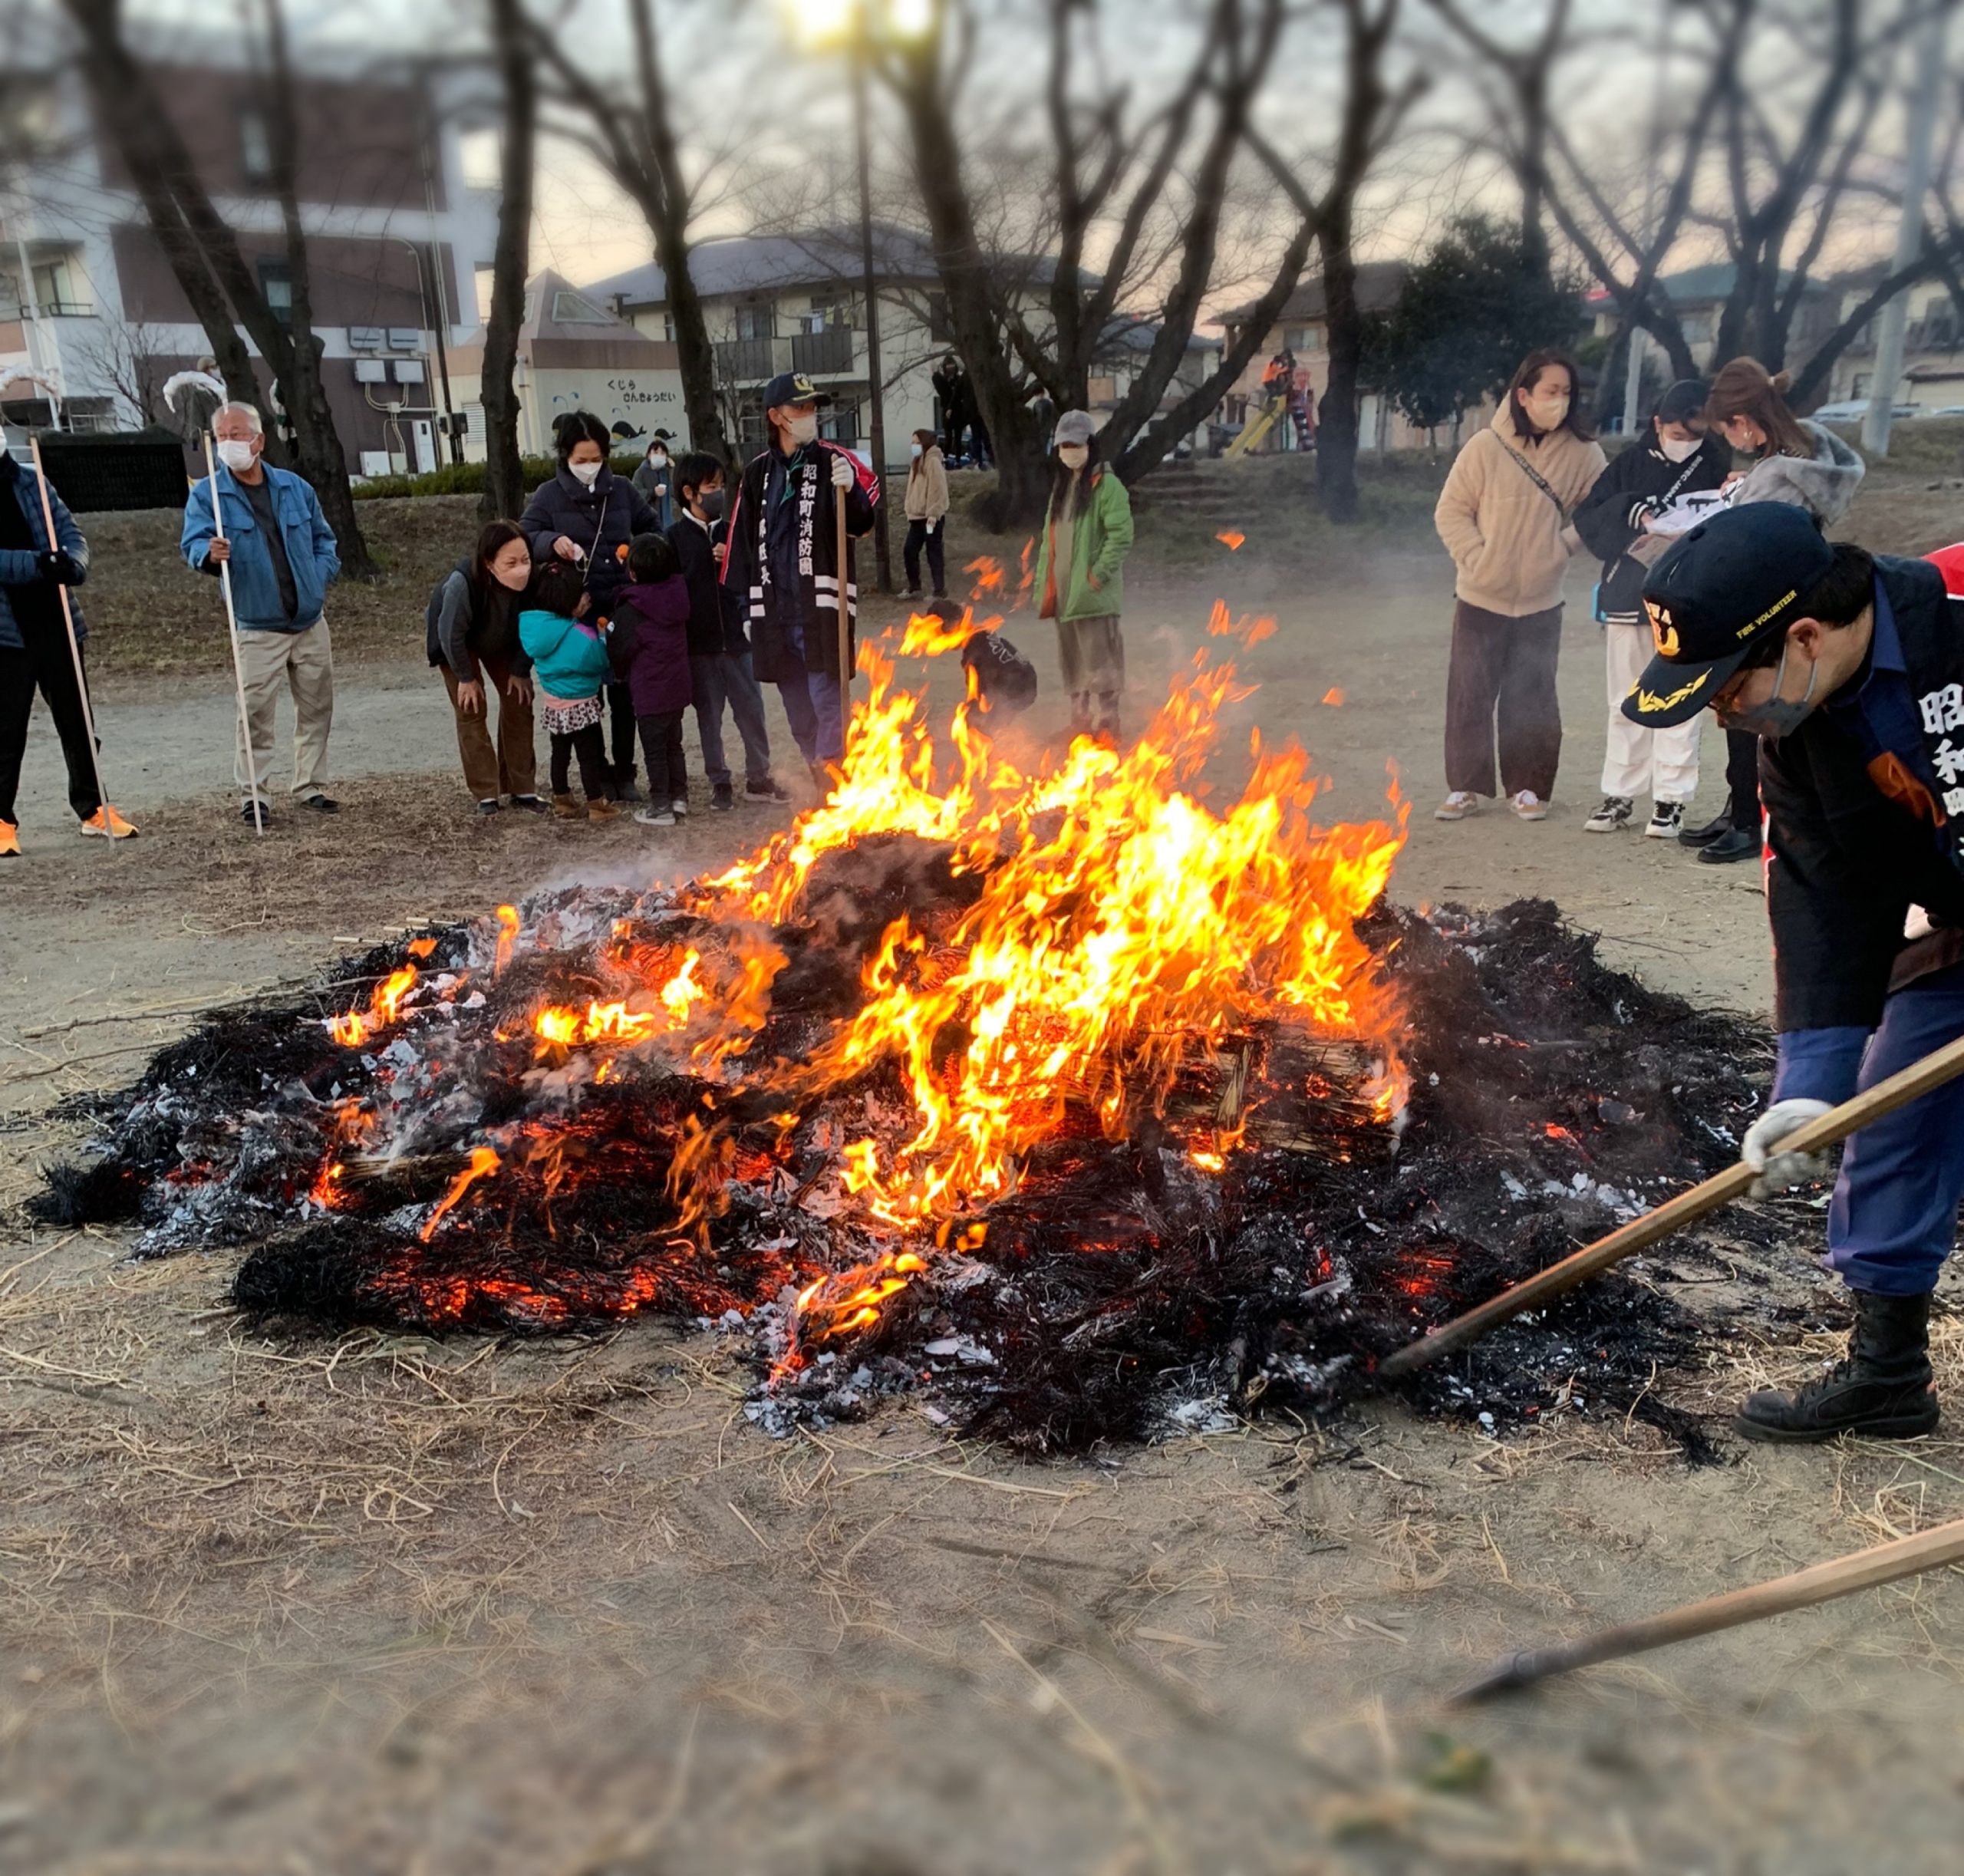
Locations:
1850 668
34 650
282 554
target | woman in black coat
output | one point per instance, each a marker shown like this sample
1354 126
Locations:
1674 458
587 514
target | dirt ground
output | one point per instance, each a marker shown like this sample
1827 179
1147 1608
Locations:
403 1606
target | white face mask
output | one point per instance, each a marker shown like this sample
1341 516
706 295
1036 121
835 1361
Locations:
1547 405
1679 452
659 458
236 457
915 450
802 428
588 472
1073 455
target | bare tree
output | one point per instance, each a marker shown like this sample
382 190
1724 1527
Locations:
632 131
130 356
1152 182
1368 119
205 256
511 51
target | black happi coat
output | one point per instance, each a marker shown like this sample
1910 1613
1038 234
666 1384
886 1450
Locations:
1640 481
1855 844
747 568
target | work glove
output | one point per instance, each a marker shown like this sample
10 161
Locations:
841 472
59 569
1760 1150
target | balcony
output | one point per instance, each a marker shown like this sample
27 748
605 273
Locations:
822 354
742 363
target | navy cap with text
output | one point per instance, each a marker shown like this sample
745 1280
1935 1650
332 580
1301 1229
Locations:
1729 585
792 387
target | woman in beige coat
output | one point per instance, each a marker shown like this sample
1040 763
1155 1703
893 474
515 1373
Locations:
927 505
1504 517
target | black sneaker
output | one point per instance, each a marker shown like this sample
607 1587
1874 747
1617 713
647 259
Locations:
321 804
1736 843
256 814
768 789
489 805
723 799
531 804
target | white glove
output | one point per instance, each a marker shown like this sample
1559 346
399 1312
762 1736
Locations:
1779 1171
841 472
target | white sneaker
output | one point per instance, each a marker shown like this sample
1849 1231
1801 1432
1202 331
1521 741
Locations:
1529 806
681 809
1667 820
654 817
1456 806
1614 814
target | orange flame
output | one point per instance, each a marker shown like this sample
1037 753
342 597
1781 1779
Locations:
483 1162
351 1028
508 933
1333 697
1230 540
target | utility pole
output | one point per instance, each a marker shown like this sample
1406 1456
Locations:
870 292
1633 370
1892 320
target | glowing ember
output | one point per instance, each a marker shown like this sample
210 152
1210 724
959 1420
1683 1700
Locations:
351 1029
1231 541
1333 697
484 1162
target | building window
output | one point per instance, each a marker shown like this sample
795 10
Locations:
59 290
256 145
276 283
757 319
11 305
828 311
481 157
839 422
1302 338
1696 327
571 309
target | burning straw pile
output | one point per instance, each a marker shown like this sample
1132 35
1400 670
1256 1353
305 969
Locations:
1088 1107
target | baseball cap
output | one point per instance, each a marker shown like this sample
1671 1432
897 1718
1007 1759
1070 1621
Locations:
1076 426
1685 400
1728 585
792 387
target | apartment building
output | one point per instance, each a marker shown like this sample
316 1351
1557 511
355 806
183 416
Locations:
398 214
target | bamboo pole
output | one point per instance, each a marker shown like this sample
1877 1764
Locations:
1842 1576
259 815
1941 1066
74 643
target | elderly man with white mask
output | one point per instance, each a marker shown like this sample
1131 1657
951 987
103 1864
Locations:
270 530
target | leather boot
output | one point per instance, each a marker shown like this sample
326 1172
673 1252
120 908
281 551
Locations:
565 808
1881 1388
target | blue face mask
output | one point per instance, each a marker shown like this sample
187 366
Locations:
1775 717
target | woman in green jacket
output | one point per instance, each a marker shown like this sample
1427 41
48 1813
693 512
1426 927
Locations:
1080 568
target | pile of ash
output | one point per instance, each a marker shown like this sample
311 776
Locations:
1123 1286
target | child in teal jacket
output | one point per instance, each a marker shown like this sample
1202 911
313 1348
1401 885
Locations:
1080 575
569 667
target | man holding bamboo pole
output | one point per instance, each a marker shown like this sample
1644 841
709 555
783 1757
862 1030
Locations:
1850 666
43 558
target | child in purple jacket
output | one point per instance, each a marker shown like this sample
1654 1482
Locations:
649 647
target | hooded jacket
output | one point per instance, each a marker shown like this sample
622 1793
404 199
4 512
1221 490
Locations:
1640 482
1101 537
568 656
21 568
1823 483
648 644
926 498
600 521
1506 534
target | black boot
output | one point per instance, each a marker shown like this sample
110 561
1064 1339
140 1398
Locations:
1880 1388
1734 844
1704 835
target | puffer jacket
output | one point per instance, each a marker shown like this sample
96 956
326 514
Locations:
1824 483
600 521
568 656
648 644
1508 537
18 567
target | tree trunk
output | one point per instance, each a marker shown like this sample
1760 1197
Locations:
504 473
668 220
1336 430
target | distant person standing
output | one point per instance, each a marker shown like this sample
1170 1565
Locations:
927 506
1504 517
1674 458
587 515
1791 460
783 556
34 650
1079 577
654 480
951 393
283 555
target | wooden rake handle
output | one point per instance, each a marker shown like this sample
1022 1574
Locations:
1841 1576
1942 1065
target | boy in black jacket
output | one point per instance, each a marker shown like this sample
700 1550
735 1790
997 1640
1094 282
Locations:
1675 459
719 653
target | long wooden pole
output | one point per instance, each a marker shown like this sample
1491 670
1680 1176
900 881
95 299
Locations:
1943 1065
259 815
1843 1576
74 643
